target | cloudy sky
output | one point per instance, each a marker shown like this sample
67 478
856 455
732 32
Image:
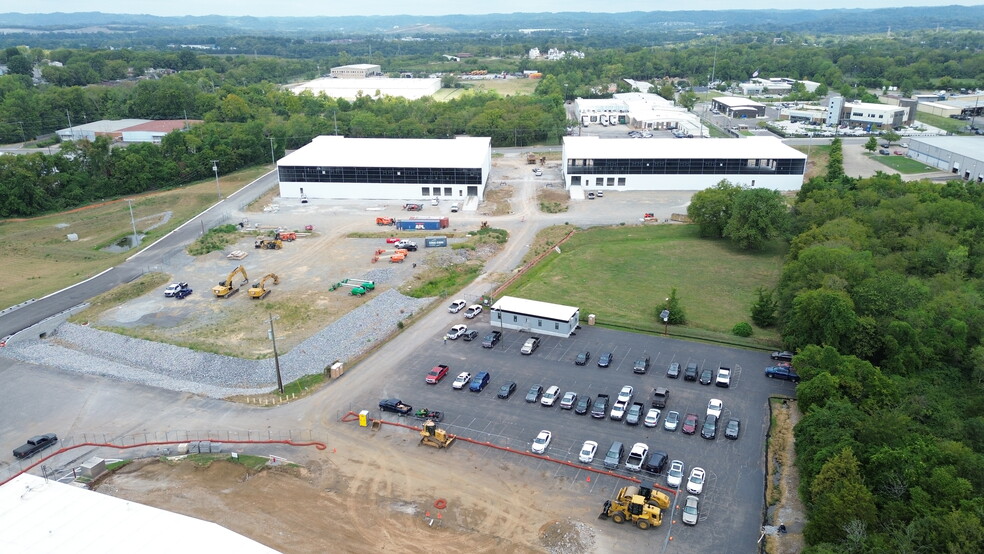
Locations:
422 7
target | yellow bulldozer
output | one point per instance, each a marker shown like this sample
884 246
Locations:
270 244
228 287
259 290
640 505
431 435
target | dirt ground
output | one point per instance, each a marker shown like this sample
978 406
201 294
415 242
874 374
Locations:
371 494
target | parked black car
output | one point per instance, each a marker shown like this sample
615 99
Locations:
732 428
506 390
690 374
606 359
470 334
655 463
583 405
784 356
706 376
673 371
641 365
709 430
582 358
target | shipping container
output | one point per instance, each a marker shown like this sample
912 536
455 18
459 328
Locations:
433 242
422 224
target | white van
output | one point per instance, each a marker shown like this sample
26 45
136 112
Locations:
454 207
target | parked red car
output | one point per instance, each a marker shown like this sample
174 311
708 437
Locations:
392 240
690 424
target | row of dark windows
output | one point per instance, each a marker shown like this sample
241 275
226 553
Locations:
399 175
684 166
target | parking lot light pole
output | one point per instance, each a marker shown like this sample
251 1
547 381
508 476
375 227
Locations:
665 315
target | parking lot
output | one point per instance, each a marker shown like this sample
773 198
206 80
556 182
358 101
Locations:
732 500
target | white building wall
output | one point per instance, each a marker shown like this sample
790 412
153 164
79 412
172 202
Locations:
685 182
521 322
376 191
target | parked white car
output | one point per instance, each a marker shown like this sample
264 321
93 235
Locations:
541 442
457 306
456 331
473 311
696 482
461 380
691 510
550 396
714 407
675 474
588 451
652 418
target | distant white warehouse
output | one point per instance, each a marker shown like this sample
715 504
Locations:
680 164
387 169
374 87
533 316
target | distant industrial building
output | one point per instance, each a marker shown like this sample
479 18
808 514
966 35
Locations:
356 71
375 87
533 316
125 130
638 110
864 114
387 169
777 86
593 163
961 156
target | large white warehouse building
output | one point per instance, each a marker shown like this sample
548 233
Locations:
387 169
680 164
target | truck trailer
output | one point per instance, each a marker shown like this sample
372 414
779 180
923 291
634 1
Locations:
422 224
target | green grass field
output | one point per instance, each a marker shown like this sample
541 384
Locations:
622 273
505 87
903 164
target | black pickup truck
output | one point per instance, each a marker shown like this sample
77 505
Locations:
395 405
35 445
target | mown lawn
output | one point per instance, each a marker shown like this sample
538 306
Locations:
622 273
903 164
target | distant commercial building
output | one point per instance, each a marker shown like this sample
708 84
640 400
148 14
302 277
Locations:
356 71
387 169
864 114
533 316
780 86
125 130
639 110
593 163
961 156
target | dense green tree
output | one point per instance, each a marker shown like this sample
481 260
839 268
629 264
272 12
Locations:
838 498
757 216
871 145
711 208
672 303
764 308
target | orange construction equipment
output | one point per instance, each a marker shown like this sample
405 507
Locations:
396 256
287 235
385 221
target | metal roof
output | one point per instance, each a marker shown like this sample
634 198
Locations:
737 102
339 151
535 308
37 515
673 148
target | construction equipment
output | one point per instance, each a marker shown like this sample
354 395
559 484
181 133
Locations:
648 217
640 505
395 256
227 287
288 236
359 286
530 158
270 244
431 435
385 221
259 290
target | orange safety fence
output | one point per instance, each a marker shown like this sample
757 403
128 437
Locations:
352 416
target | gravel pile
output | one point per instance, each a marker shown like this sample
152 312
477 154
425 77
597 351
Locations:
91 351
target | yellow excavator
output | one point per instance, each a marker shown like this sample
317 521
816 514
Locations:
640 505
228 287
259 290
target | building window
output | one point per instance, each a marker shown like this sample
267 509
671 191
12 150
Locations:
621 181
539 323
556 326
599 181
611 181
515 319
425 191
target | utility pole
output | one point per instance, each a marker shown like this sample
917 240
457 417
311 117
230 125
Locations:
334 116
215 168
272 160
276 358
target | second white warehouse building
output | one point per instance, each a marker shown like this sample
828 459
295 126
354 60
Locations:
680 164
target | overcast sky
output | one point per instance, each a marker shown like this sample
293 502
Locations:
424 7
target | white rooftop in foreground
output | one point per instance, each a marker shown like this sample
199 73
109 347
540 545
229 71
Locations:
339 151
44 517
666 148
